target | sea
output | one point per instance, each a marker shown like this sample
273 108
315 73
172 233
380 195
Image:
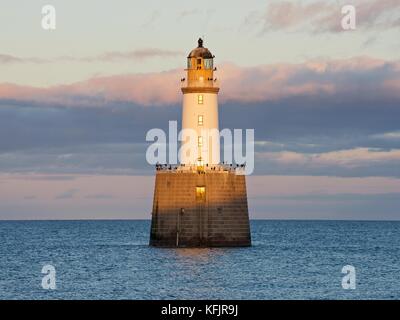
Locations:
111 259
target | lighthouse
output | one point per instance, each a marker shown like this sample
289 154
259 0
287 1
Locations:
200 109
200 202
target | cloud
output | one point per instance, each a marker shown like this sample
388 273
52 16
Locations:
390 136
30 197
138 54
367 76
145 89
306 119
112 56
269 197
109 197
9 59
285 14
69 194
99 196
39 177
135 55
186 13
316 78
150 20
323 16
344 158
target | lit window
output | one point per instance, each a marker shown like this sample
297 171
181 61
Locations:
200 120
200 141
201 193
200 99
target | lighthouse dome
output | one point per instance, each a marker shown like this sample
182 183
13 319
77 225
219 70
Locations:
200 51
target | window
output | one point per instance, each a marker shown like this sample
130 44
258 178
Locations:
200 141
208 63
200 99
200 120
201 193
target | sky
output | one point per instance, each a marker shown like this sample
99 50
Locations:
76 103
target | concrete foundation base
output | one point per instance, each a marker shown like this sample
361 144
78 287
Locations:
206 209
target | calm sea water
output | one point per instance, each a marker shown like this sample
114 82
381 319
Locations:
111 260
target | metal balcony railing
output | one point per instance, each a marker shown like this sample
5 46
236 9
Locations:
208 83
189 168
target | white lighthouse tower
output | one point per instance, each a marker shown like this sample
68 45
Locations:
200 110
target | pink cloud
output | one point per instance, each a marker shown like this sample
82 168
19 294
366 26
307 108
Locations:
285 14
240 84
351 158
145 89
267 83
302 185
321 16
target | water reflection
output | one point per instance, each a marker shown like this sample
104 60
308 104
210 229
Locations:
202 254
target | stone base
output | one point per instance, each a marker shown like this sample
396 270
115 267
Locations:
185 216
